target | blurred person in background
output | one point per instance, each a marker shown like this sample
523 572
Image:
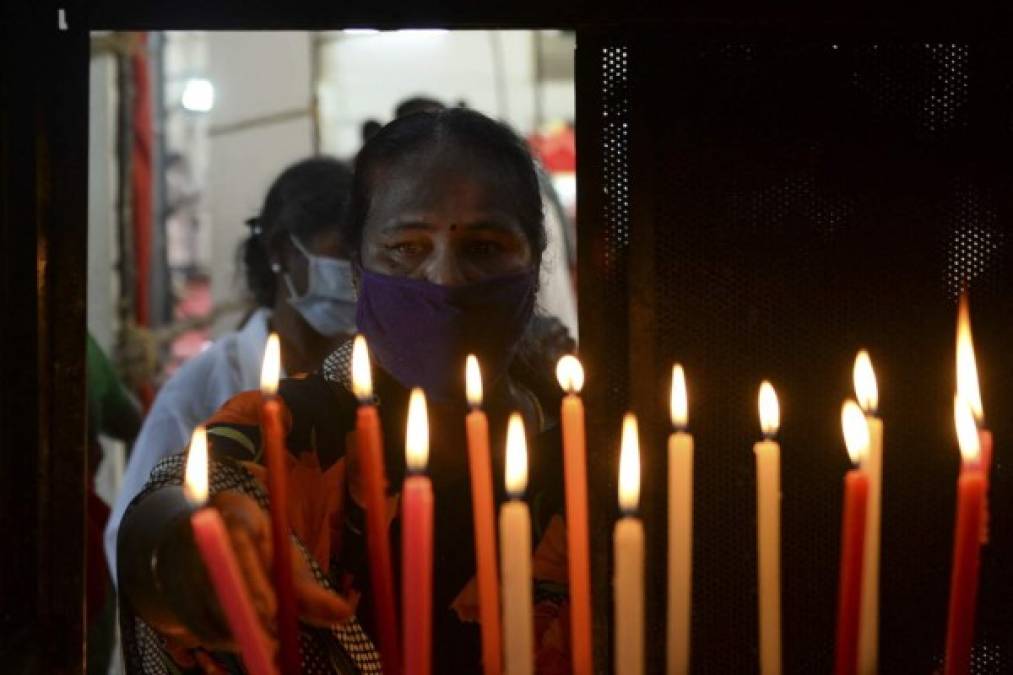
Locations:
298 273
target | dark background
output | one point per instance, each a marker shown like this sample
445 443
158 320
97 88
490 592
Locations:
756 202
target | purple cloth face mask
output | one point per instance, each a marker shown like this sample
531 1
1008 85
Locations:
421 332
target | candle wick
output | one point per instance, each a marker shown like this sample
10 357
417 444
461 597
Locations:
769 435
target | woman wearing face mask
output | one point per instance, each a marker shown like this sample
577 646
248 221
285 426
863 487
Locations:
446 236
299 275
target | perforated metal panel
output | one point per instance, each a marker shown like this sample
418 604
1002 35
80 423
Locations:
804 198
603 126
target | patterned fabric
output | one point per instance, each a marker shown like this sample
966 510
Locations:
318 419
342 649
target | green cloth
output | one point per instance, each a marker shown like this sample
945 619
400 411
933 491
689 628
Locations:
111 409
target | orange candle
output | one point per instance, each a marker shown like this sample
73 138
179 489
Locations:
417 543
969 390
213 544
853 523
273 434
966 545
482 506
570 374
374 482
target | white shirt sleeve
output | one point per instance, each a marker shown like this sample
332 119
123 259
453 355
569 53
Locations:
192 395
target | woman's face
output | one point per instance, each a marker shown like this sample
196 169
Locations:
443 217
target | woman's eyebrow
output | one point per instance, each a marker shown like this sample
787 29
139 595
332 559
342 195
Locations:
406 225
490 224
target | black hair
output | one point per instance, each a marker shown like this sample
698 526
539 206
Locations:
368 129
485 138
308 197
418 104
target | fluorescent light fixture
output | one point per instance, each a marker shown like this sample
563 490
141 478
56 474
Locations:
198 95
423 32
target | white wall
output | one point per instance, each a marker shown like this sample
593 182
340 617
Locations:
103 283
365 76
256 75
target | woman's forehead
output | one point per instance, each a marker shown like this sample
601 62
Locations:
443 185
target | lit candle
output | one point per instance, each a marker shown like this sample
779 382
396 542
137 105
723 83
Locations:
968 389
417 542
768 532
515 552
570 374
213 544
374 479
868 397
966 545
482 503
680 528
628 582
853 527
273 432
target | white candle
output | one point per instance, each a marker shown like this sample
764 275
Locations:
515 558
680 529
768 532
628 582
867 393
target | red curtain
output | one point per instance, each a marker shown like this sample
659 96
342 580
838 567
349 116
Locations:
141 186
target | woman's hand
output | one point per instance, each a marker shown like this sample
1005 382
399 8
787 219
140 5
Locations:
249 530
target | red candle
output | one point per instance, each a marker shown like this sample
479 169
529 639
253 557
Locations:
213 544
969 390
570 374
417 543
273 437
856 495
374 480
966 545
985 441
487 572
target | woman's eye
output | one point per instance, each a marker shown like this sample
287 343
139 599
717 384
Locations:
406 249
485 248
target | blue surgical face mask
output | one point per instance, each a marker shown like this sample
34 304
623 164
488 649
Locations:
328 305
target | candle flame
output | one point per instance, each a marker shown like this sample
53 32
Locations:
856 431
865 383
967 430
770 411
516 456
362 376
679 403
417 440
570 374
195 480
629 465
967 368
271 368
473 381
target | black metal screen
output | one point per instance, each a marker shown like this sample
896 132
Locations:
762 209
